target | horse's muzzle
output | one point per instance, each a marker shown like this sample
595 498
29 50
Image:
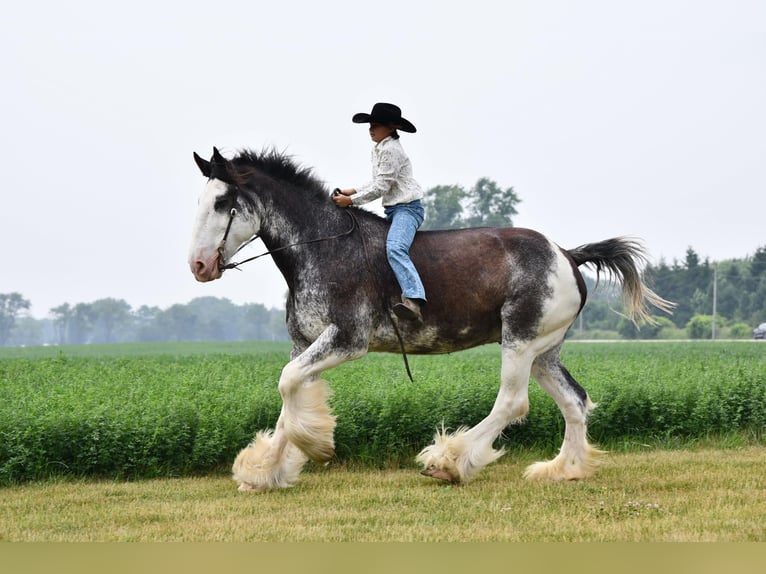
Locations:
206 269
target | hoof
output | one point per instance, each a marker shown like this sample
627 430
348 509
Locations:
440 474
323 456
260 466
247 487
581 465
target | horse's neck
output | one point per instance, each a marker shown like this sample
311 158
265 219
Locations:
291 229
289 220
289 224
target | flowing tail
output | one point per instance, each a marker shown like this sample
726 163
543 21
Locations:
621 258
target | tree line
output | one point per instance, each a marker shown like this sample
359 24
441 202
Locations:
727 296
115 321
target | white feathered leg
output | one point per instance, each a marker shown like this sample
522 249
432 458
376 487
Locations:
304 430
309 424
267 463
305 427
577 458
459 456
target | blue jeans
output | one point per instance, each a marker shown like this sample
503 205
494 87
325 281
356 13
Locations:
405 219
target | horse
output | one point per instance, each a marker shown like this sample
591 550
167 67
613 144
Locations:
509 285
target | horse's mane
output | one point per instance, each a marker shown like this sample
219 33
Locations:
281 167
277 165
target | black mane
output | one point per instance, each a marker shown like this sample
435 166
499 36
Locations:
279 166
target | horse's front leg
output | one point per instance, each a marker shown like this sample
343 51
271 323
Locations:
268 462
305 426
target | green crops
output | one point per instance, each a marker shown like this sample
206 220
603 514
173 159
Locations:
133 411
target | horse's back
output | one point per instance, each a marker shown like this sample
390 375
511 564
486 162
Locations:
485 261
476 278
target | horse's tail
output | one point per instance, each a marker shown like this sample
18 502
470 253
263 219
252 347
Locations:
621 258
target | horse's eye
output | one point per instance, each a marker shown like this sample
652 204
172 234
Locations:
222 204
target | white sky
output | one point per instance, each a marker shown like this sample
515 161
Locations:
607 117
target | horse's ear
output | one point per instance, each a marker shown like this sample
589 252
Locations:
219 167
203 165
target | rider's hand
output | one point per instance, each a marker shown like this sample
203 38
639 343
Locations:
341 200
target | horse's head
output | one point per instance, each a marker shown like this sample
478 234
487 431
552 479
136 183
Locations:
224 220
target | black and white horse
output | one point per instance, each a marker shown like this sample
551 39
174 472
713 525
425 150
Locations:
508 285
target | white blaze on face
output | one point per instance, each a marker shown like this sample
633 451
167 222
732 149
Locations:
207 234
209 225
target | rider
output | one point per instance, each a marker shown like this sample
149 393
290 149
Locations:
392 180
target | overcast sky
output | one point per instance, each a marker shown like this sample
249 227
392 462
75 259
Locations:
607 117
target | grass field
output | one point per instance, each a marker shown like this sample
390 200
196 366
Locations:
698 494
133 442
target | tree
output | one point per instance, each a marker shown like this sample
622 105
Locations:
692 259
444 208
700 327
254 322
177 323
628 330
758 263
110 317
80 324
146 323
680 282
217 319
27 331
485 205
490 205
62 321
11 305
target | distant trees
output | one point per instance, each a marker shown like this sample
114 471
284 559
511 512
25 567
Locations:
740 293
444 207
486 204
114 321
11 305
740 298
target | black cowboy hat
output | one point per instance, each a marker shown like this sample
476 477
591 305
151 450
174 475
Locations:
387 115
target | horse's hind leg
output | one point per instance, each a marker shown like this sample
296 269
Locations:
577 458
459 456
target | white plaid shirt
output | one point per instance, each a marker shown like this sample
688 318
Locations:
391 176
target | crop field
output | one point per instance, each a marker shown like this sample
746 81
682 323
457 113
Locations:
173 410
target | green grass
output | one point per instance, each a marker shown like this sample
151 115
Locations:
700 494
164 410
